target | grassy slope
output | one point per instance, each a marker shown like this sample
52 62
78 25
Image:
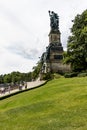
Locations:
61 104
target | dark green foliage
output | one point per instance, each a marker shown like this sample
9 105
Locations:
82 75
70 75
47 76
7 78
1 79
76 54
15 77
36 70
56 75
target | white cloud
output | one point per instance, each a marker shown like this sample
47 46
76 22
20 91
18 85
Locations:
24 29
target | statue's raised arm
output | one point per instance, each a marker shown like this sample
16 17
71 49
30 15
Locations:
54 20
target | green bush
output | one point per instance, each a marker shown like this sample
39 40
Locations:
70 75
47 76
56 75
82 74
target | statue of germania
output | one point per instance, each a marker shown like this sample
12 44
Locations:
54 20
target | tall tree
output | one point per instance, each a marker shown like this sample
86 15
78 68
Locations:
36 70
76 54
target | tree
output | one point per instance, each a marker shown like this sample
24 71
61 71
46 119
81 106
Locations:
76 54
16 77
1 79
36 70
7 78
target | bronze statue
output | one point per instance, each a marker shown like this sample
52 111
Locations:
54 20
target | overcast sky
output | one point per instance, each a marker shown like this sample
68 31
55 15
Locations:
24 29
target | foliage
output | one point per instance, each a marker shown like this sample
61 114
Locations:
47 76
1 79
59 105
76 54
70 75
15 77
36 70
56 75
82 74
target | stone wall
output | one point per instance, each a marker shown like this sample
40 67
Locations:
59 67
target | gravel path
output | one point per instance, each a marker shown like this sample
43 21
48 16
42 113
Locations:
29 85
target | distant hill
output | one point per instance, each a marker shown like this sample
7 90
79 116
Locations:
61 104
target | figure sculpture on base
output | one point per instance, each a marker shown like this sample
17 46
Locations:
54 20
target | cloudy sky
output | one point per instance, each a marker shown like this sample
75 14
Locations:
24 29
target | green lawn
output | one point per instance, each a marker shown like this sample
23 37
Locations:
61 104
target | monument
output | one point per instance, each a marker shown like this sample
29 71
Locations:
53 57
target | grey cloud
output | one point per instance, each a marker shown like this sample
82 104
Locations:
26 53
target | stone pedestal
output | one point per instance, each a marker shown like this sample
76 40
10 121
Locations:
54 36
53 57
55 51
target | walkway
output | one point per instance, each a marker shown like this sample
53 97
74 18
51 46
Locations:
32 84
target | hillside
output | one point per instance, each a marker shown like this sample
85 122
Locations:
61 104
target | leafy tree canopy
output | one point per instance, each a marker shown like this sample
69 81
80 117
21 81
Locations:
76 54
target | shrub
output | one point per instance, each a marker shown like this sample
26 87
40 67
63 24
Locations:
47 76
56 75
70 75
82 74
